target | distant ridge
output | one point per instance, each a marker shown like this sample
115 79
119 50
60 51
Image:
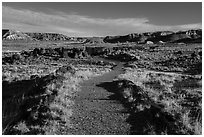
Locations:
189 36
18 35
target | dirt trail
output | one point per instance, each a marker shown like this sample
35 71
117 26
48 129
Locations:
97 111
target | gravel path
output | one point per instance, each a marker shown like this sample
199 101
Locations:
96 112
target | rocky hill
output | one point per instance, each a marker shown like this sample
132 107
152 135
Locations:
15 35
190 36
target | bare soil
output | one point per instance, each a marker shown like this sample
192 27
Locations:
97 110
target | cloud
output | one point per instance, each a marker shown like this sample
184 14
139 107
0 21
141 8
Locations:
79 25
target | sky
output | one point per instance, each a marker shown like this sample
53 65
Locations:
101 18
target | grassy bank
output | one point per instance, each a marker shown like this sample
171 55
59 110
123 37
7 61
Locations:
161 102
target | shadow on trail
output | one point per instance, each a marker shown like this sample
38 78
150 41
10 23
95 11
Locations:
111 87
138 121
147 121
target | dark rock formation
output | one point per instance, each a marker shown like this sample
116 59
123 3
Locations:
116 53
48 36
94 40
97 50
127 38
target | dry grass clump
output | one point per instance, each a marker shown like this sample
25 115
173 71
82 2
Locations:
26 72
177 98
85 72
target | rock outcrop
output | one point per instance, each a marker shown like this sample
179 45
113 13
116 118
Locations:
48 36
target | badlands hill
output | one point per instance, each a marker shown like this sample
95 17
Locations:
33 36
15 35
